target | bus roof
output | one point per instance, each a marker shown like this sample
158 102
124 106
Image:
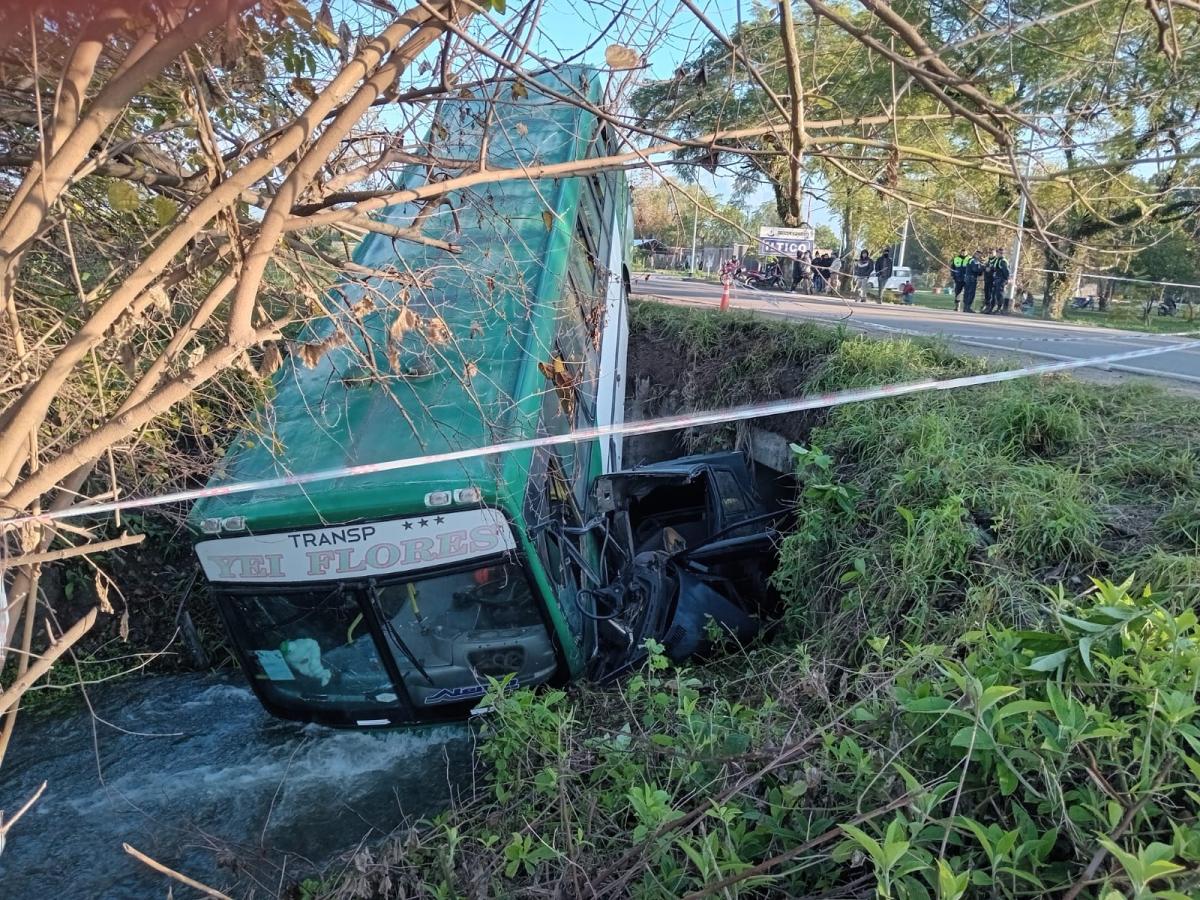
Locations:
432 350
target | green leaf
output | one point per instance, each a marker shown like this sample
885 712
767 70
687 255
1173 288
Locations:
1050 662
949 885
1019 707
994 695
1007 779
867 842
980 834
893 851
165 209
970 735
933 705
1085 653
1083 624
123 196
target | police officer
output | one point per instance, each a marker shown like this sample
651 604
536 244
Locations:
958 273
987 283
1000 273
974 268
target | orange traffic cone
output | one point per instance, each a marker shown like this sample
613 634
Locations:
725 294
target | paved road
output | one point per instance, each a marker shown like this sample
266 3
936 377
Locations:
1014 334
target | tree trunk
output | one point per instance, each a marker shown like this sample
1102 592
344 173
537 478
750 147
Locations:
1062 275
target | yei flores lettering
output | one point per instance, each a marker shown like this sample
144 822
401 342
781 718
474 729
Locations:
361 557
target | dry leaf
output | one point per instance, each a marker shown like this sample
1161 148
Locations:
470 371
519 90
123 628
548 218
491 283
564 383
406 320
621 57
437 331
31 537
272 359
128 358
476 329
304 88
102 594
158 301
195 355
310 354
324 26
522 129
362 307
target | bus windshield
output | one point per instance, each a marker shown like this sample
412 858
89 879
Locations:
311 649
462 627
333 650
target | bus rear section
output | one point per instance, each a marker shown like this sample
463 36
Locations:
391 622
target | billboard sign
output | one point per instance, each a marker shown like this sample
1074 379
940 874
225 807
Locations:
779 241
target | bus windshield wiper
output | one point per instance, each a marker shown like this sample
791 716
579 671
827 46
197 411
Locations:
373 592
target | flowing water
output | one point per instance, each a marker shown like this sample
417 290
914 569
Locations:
191 770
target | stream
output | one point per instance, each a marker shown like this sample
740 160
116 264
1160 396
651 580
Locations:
192 771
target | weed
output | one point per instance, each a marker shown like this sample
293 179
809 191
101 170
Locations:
938 715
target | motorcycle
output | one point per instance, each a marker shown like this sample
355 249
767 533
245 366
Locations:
764 281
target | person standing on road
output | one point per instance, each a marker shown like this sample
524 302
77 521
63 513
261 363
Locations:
971 273
862 272
835 274
820 273
802 272
883 271
1000 273
988 272
958 274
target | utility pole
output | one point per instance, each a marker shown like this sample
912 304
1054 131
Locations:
695 220
904 241
1016 251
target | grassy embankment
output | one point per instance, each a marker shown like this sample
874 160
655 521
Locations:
966 697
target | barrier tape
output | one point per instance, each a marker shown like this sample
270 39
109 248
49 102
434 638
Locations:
646 426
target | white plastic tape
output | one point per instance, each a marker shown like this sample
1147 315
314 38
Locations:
647 426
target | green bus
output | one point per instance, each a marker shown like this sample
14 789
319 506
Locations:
390 598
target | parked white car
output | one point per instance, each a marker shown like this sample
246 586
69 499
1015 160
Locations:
900 274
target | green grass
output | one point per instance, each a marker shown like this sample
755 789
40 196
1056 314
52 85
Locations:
956 703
